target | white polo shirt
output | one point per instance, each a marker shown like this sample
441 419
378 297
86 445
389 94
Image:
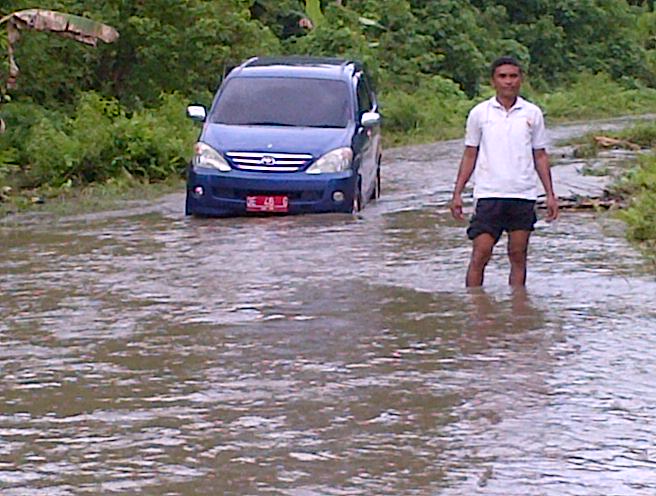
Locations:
505 139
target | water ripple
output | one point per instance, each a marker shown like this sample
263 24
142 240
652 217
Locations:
144 352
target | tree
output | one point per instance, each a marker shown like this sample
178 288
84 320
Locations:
70 26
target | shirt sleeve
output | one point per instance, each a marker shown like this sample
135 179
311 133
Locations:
539 138
473 129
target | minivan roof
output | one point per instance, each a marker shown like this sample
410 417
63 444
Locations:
321 67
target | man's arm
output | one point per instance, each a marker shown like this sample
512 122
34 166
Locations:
467 164
541 159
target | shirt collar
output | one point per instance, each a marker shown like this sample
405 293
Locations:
519 103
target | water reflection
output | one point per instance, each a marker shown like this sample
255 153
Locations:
492 316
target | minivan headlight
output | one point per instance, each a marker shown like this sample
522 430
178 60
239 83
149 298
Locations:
334 161
208 157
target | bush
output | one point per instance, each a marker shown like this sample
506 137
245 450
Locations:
21 119
154 144
101 141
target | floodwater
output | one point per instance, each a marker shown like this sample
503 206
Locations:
143 352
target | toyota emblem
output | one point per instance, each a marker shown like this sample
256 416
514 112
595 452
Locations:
268 160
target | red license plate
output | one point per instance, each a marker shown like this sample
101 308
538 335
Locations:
264 203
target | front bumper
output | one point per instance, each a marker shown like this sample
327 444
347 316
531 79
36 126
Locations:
224 193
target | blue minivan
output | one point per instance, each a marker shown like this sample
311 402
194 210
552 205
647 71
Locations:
287 135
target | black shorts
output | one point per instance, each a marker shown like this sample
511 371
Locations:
495 215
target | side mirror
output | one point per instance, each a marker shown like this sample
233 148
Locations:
370 119
197 112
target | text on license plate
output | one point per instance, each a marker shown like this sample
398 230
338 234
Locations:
266 203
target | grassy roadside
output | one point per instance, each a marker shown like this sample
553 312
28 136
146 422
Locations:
90 198
637 186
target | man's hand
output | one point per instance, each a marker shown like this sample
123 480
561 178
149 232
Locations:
552 207
465 170
456 207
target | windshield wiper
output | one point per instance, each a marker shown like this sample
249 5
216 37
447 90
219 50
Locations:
267 123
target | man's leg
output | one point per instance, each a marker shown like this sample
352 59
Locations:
482 246
517 253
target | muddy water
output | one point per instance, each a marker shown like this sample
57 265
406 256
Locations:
142 352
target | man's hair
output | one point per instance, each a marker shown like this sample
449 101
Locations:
505 60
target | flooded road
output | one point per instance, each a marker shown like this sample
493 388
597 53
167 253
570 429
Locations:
143 352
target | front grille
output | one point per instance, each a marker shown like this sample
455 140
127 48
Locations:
269 162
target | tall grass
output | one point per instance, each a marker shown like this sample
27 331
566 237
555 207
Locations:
595 97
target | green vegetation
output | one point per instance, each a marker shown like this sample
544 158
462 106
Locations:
115 113
640 188
98 143
597 97
637 186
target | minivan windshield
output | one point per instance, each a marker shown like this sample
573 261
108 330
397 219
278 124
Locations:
282 101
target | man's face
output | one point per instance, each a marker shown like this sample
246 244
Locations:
507 80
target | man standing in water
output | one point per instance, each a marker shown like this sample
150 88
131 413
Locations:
505 150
